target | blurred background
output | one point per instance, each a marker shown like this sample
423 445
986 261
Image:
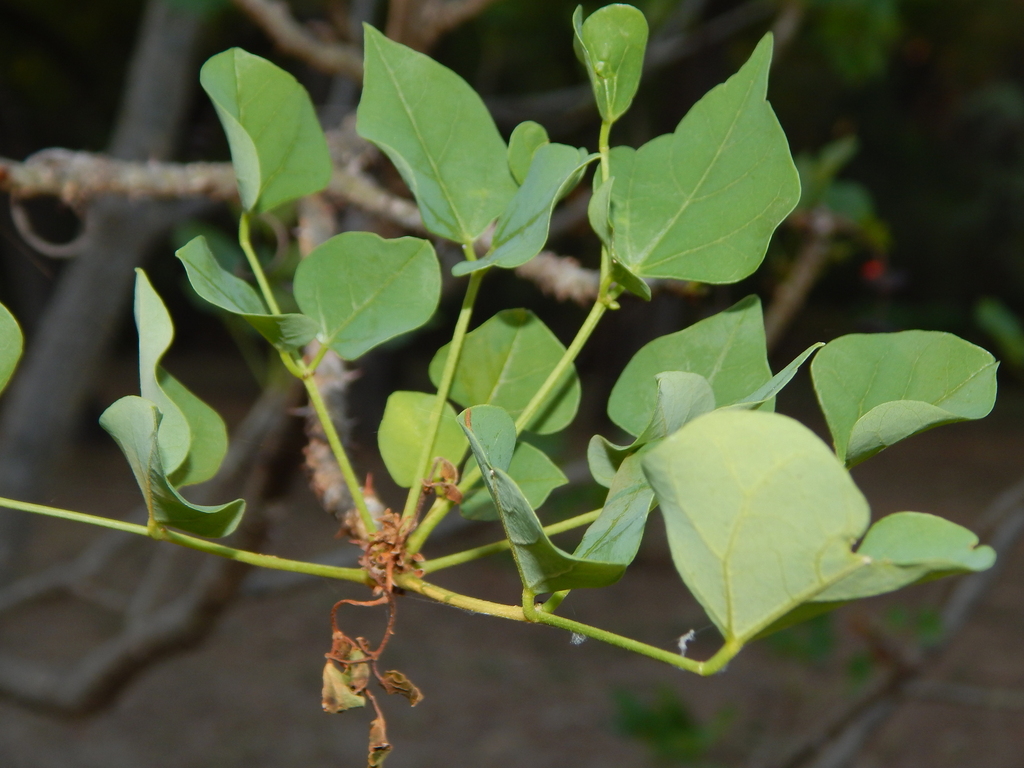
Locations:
907 121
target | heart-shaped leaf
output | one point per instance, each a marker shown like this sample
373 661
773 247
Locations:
11 345
877 389
504 362
611 45
535 474
232 294
702 203
193 439
761 518
403 432
543 567
760 515
525 140
727 349
362 290
134 422
277 147
522 229
439 135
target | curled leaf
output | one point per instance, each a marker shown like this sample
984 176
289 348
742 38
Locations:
397 682
338 696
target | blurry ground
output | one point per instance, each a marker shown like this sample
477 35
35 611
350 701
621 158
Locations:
504 694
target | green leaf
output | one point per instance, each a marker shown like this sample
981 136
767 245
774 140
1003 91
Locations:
522 229
362 290
232 294
134 422
504 362
616 534
525 140
611 45
908 547
156 332
599 210
778 382
277 147
702 203
543 567
208 436
1005 328
759 513
535 474
727 349
635 285
439 135
877 389
192 436
403 432
11 345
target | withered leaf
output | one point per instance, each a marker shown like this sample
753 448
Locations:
337 695
379 746
396 682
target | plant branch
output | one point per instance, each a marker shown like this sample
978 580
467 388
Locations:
447 377
202 545
558 372
292 38
458 558
77 177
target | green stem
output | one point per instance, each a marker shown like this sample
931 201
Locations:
468 555
441 507
351 481
602 147
552 603
245 240
558 372
454 352
162 534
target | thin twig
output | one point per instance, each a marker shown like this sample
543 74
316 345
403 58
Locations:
292 38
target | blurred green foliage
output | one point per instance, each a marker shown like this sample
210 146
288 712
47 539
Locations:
671 732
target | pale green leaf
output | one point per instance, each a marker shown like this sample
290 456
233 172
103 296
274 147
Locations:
778 382
403 433
232 294
543 567
133 422
192 436
362 290
525 140
908 547
599 210
440 136
616 534
522 229
877 389
759 513
611 44
277 147
11 345
208 436
156 332
535 474
504 362
702 203
728 349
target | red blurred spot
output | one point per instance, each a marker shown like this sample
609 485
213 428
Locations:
872 269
